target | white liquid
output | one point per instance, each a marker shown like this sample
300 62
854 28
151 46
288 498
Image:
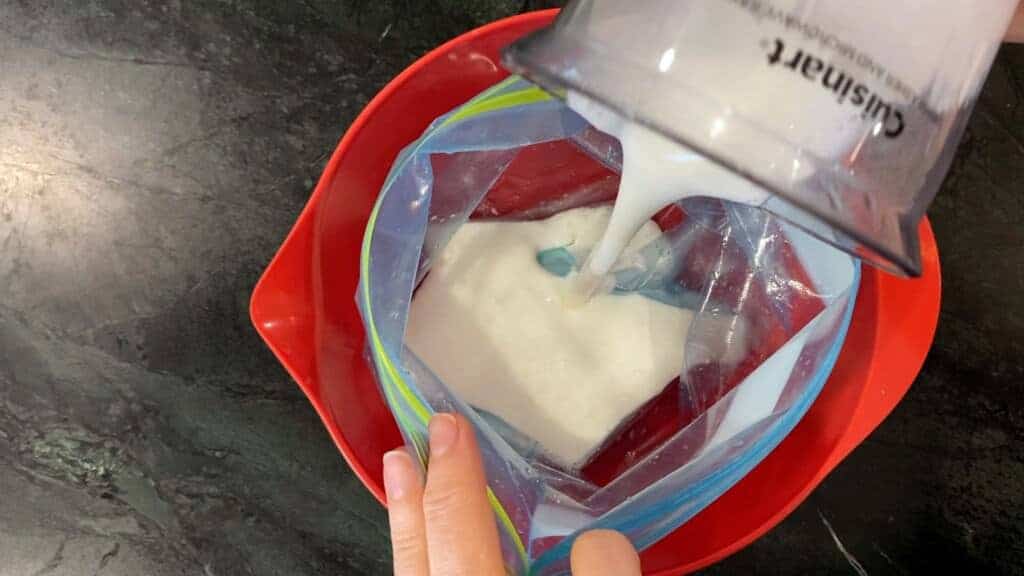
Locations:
494 326
656 172
941 62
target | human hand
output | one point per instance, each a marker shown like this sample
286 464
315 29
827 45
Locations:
1015 33
446 527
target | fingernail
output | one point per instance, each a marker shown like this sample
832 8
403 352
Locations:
399 474
444 431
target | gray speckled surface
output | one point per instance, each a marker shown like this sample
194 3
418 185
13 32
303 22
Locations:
153 154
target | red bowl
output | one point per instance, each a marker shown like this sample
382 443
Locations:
304 307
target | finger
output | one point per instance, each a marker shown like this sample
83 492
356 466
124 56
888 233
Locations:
462 537
404 491
604 553
1016 31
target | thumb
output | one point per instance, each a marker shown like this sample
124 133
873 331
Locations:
604 553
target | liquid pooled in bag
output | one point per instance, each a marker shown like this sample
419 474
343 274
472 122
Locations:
656 172
495 326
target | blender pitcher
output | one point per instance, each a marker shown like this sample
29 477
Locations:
847 113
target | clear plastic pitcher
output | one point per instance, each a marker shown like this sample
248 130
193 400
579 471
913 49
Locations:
849 113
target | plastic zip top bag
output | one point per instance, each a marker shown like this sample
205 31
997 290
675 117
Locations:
716 328
848 113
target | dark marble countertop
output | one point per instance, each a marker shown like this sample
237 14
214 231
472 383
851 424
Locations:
154 153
